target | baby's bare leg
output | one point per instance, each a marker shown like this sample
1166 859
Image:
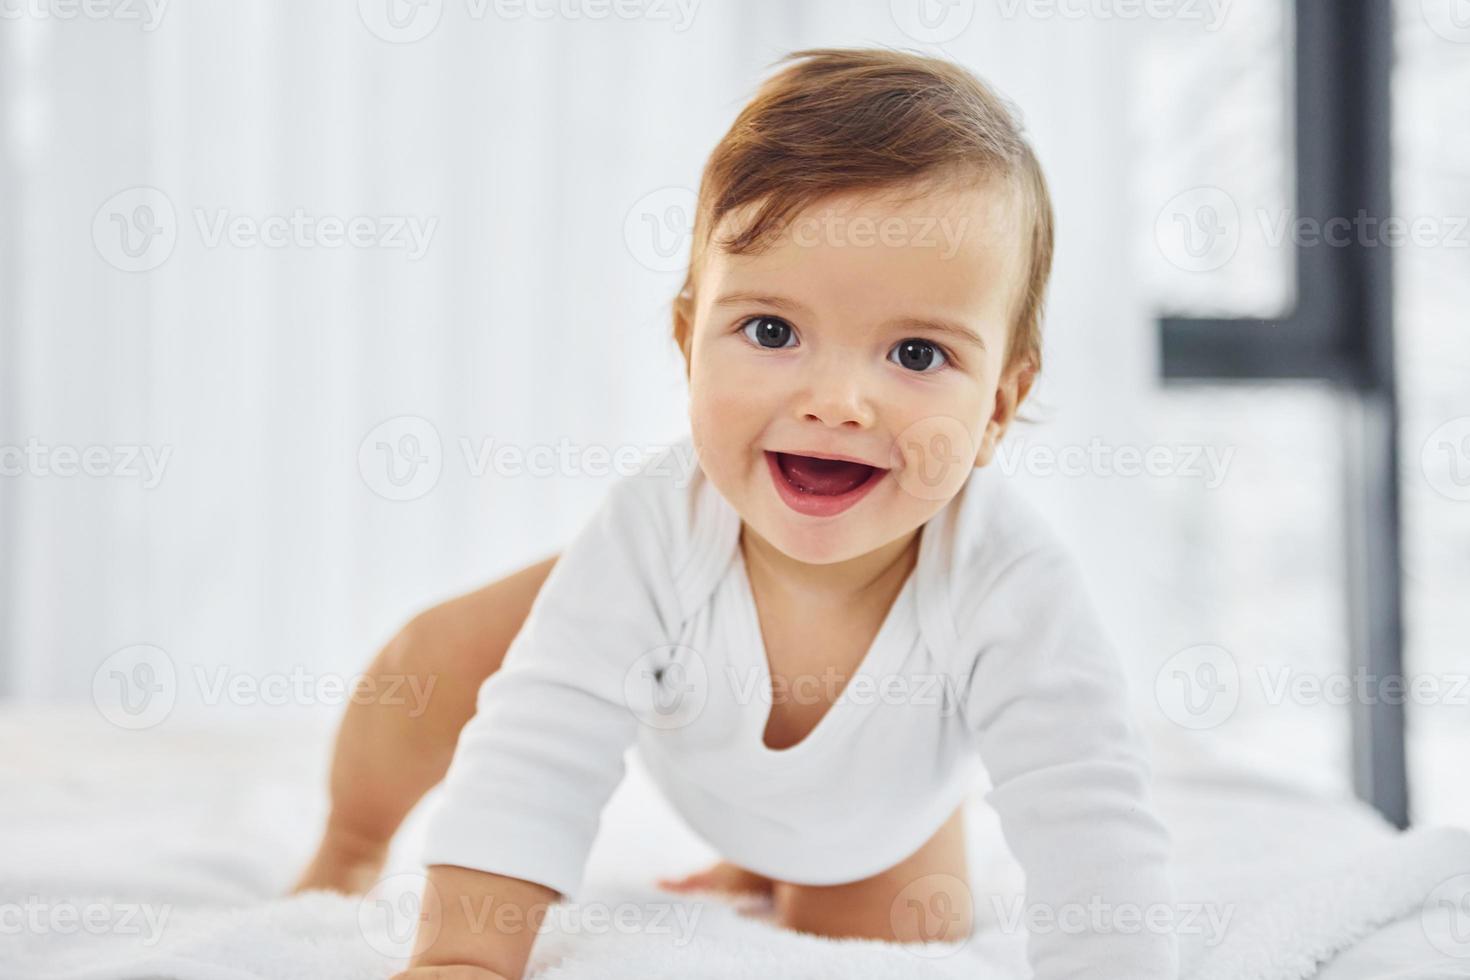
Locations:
924 898
388 755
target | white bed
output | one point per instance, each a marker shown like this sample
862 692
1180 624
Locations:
178 842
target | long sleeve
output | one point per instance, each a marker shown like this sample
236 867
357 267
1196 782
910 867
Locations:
1047 702
544 751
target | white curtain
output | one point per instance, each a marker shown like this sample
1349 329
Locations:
251 374
254 373
296 443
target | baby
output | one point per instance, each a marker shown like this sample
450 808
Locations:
859 324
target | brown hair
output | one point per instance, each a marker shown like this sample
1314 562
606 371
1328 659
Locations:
875 119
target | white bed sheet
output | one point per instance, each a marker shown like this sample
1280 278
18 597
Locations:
223 815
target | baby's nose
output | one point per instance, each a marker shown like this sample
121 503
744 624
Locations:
838 397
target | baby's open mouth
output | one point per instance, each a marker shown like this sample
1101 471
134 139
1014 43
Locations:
824 477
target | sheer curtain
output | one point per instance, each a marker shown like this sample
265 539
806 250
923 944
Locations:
327 416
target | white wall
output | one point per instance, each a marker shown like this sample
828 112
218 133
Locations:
530 320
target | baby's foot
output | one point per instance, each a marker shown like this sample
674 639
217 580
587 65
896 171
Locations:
721 877
348 879
351 867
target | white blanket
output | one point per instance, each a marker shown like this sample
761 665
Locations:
162 854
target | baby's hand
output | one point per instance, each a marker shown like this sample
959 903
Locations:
481 927
721 877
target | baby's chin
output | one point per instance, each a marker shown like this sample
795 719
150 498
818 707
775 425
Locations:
829 550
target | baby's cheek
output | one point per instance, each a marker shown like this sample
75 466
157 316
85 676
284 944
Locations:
720 424
730 394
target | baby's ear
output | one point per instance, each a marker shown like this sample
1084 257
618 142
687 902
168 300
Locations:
1014 385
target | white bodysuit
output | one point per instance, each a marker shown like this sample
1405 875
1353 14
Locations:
992 655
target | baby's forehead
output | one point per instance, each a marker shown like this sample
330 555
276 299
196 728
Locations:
951 219
960 245
989 200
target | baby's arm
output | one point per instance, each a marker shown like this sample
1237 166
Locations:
391 751
1048 703
545 749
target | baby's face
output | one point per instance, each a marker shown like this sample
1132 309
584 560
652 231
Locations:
833 343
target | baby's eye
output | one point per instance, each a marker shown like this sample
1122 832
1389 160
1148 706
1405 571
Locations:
768 331
918 355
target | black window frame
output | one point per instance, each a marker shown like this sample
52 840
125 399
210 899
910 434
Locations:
1341 332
